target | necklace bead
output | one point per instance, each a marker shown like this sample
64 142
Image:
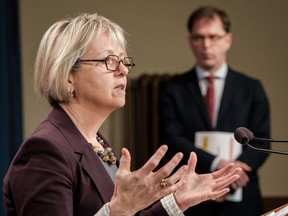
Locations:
106 154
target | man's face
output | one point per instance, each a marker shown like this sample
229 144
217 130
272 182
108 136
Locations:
210 43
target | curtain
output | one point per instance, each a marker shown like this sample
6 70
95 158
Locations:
10 87
141 117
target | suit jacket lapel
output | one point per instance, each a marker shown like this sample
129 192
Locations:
193 86
228 94
86 156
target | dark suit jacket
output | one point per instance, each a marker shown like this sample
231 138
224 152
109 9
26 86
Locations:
56 172
182 112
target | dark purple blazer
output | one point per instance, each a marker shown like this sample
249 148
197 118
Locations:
56 172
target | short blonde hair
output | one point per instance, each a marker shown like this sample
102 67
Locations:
61 46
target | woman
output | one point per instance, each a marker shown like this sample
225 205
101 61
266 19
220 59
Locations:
66 166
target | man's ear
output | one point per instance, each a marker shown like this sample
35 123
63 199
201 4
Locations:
189 39
229 40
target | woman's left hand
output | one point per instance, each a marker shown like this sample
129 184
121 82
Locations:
197 188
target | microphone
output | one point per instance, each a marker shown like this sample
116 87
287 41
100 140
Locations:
244 136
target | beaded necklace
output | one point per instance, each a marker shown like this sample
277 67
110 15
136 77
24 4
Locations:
106 154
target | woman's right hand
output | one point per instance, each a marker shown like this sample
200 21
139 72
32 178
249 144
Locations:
137 190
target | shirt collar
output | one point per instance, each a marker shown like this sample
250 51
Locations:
221 73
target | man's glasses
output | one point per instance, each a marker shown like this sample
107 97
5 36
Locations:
112 62
213 38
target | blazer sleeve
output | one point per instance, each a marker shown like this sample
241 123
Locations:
40 174
154 210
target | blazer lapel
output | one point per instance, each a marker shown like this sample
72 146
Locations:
85 154
94 167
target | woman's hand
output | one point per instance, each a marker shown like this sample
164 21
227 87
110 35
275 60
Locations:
137 190
198 188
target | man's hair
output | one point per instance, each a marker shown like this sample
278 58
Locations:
209 12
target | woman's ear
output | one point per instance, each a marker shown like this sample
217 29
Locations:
71 87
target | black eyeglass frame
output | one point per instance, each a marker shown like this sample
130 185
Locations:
129 66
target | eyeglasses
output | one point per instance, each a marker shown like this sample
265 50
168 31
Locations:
112 62
213 38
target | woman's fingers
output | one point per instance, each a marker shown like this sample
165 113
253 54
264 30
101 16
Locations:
227 169
219 193
224 183
125 161
154 161
173 179
167 169
192 162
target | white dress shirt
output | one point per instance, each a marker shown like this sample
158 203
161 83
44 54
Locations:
219 82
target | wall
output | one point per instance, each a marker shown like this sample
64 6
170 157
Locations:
158 43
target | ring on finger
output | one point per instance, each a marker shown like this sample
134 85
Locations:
163 184
211 197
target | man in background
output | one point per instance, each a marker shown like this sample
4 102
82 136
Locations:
214 97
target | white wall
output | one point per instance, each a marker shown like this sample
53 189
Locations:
157 37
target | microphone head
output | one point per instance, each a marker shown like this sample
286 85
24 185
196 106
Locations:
243 135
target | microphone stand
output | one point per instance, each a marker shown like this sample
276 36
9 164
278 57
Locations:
269 140
266 150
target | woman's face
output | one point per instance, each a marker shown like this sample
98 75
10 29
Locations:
96 87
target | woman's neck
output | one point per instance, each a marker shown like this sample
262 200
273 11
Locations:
88 122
